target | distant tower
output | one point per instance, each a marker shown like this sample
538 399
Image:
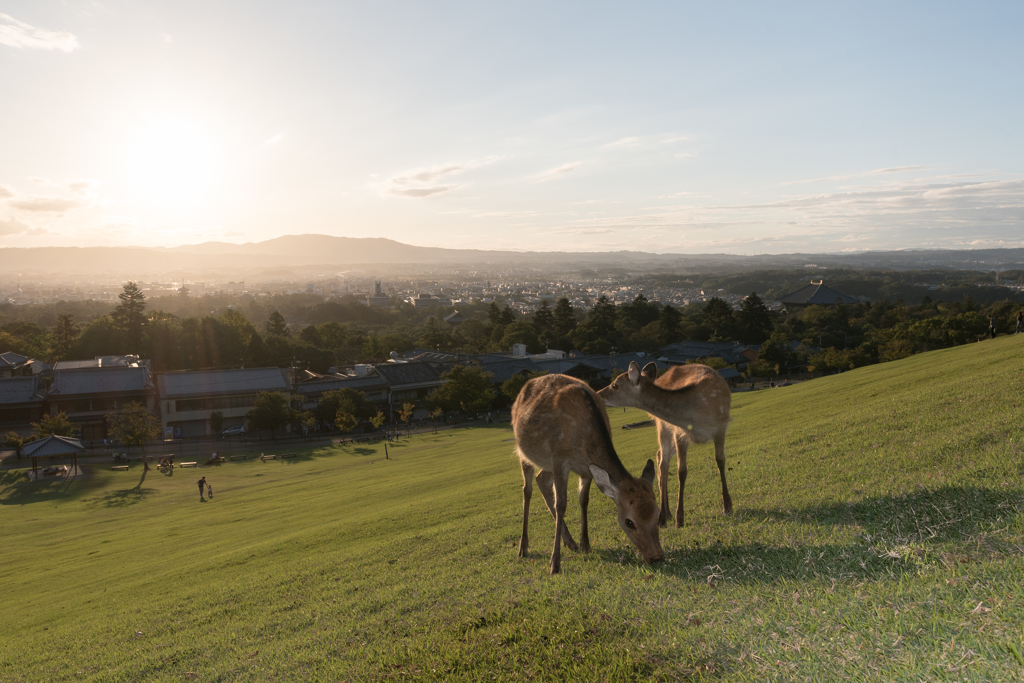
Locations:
376 289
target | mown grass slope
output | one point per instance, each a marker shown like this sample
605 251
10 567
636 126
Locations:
878 534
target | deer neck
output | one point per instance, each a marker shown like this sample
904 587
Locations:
665 404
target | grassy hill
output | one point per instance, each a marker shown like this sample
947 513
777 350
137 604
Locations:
878 534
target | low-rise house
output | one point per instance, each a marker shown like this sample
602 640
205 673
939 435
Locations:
16 365
408 383
21 403
188 398
88 390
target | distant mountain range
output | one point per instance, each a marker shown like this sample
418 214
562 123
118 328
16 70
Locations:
304 255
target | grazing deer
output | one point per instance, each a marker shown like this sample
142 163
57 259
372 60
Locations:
561 426
688 403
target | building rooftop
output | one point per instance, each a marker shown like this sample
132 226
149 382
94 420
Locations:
213 382
20 390
817 293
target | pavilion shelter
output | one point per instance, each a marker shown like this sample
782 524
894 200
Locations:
52 446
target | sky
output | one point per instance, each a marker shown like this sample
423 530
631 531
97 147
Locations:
682 127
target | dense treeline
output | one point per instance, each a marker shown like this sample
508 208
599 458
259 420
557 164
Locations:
185 332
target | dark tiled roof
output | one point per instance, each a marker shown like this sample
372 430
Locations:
12 360
819 294
503 369
407 373
328 383
100 380
730 373
20 390
212 382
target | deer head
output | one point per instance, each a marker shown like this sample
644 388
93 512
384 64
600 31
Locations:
627 388
638 509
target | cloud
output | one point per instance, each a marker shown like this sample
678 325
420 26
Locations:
42 204
18 34
558 171
685 155
420 192
624 142
877 171
83 187
273 140
423 182
6 192
12 226
679 138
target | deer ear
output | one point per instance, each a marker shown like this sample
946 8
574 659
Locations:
604 483
634 373
648 474
650 371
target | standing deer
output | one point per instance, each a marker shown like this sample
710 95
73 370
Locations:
688 403
561 426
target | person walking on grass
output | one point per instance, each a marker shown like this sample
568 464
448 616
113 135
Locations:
992 327
202 486
209 491
1020 321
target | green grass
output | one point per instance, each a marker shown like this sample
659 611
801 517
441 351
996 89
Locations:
878 535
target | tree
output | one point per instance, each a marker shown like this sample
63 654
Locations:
467 388
53 423
308 420
434 414
276 326
755 320
406 413
602 316
494 313
351 401
564 317
543 318
346 422
270 412
718 316
129 316
133 425
216 422
65 333
378 420
511 387
508 316
671 320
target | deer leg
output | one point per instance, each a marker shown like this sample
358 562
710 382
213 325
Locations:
720 460
524 542
666 441
682 444
561 484
584 504
546 480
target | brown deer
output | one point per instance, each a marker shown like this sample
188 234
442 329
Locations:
689 403
561 426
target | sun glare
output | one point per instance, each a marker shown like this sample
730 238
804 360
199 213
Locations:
172 165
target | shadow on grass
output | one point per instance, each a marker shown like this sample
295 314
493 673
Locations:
891 534
123 498
949 513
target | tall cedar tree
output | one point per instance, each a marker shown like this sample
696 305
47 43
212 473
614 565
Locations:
543 319
565 318
755 320
276 326
718 316
508 316
129 316
65 332
494 313
671 319
602 316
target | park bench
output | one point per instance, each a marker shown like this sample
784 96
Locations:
289 455
186 464
238 457
119 467
268 457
